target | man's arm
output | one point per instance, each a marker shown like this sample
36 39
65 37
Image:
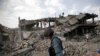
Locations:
57 47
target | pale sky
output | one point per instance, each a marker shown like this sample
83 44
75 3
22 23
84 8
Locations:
10 10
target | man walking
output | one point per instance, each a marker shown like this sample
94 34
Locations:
56 48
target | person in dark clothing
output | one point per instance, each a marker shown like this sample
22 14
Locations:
56 48
98 53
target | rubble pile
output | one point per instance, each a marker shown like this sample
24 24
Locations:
41 46
75 49
71 48
35 46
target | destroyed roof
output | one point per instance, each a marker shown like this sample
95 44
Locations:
51 19
24 22
68 29
73 19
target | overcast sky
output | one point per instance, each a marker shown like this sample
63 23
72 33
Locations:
10 10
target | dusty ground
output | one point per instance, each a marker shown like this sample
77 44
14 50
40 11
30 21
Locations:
72 47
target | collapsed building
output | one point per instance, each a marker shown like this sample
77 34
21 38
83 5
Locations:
79 24
22 40
5 34
67 26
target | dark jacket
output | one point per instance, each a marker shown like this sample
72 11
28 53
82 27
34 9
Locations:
56 48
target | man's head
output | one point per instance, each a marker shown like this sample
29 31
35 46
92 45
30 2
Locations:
48 32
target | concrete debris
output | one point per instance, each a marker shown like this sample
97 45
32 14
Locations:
29 40
22 51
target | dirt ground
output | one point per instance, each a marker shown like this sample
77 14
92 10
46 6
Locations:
72 47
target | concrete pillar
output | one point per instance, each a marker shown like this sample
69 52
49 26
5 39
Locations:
37 25
83 30
76 31
93 20
49 23
19 32
19 21
41 24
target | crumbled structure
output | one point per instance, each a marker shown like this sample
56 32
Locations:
4 34
64 26
30 24
78 24
5 40
98 27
